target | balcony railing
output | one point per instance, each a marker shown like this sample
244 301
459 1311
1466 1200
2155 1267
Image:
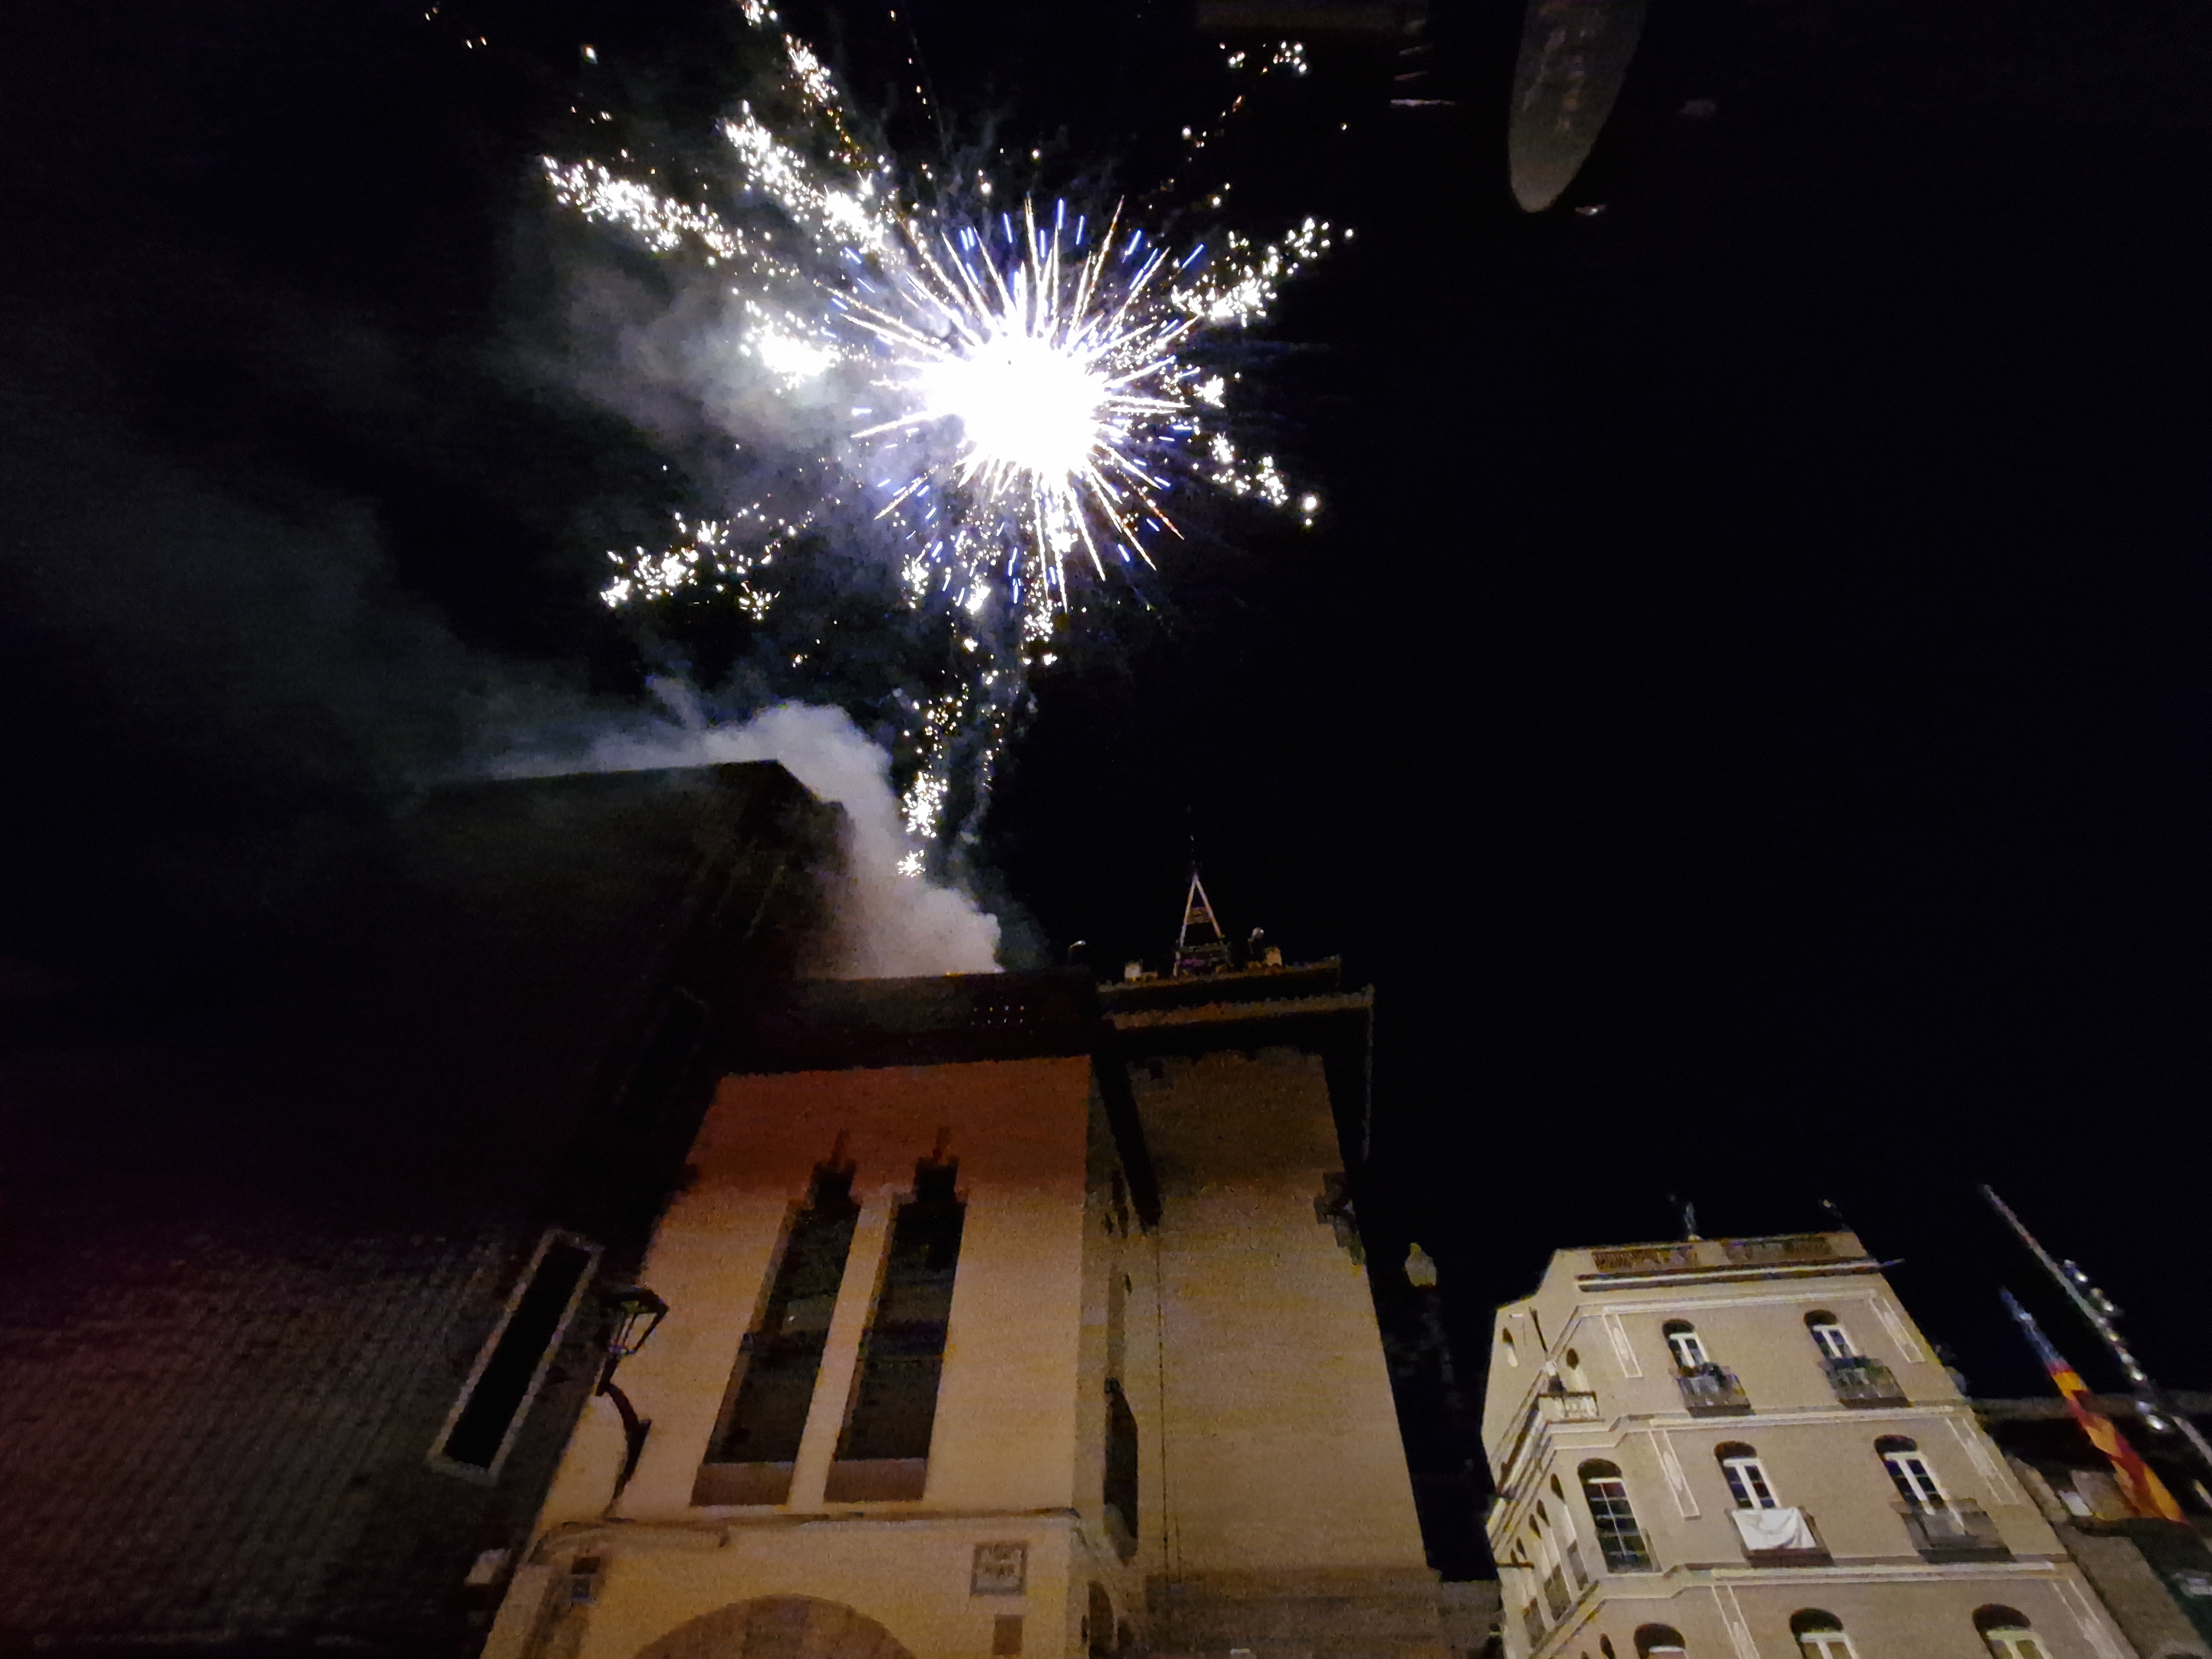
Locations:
1567 1407
1859 1381
1626 1552
1711 1390
1555 1592
1954 1532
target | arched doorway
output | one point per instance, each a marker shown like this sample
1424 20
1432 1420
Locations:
777 1627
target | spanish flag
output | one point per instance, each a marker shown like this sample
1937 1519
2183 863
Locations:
2145 1492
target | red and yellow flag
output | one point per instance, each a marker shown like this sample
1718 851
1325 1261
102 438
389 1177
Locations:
2139 1484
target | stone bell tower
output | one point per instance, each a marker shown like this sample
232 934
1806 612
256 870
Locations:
1008 1314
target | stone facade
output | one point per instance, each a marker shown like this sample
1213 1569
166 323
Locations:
1744 1447
1161 1419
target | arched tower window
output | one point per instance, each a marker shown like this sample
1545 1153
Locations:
756 1443
884 1451
1820 1635
1829 1336
1746 1476
1505 1346
1659 1642
1619 1538
2005 1631
1685 1344
1916 1482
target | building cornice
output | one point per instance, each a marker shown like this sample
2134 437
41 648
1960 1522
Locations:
1737 1275
711 1530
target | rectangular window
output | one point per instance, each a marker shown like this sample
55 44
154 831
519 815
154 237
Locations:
751 1457
883 1452
1916 1481
1748 1483
512 1366
1617 1535
1834 1341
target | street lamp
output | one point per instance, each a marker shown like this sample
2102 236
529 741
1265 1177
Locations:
637 1313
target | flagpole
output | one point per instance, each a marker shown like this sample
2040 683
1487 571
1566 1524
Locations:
2097 1308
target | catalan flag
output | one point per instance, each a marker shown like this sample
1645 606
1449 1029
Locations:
2145 1492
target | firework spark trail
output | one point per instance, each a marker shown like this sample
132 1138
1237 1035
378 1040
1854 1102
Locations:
1048 387
1020 392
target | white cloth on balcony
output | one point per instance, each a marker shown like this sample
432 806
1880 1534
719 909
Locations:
1774 1530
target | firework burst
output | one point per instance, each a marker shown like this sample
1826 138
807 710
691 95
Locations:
1015 394
1056 377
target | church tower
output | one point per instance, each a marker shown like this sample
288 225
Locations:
1006 1315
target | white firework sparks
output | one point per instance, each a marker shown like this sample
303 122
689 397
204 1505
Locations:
1018 393
1057 375
1028 393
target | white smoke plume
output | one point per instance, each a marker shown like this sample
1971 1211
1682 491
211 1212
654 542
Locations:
887 923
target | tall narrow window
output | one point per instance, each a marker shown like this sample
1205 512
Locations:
750 1459
1121 1471
1685 1344
1619 1538
1746 1476
511 1365
1820 1635
1834 1341
2006 1635
1916 1481
883 1452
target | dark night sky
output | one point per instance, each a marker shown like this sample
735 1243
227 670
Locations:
1747 709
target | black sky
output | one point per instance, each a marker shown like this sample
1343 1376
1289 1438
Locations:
1746 709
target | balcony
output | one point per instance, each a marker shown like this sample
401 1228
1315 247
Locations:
1779 1538
1711 1390
1954 1532
1567 1407
1859 1381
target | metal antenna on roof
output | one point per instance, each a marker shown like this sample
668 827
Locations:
1689 1215
1204 954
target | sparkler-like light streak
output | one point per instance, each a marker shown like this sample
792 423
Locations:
1053 373
1023 389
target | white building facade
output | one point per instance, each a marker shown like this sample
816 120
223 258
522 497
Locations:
1743 1448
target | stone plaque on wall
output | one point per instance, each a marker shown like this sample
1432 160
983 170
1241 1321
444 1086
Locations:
999 1570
